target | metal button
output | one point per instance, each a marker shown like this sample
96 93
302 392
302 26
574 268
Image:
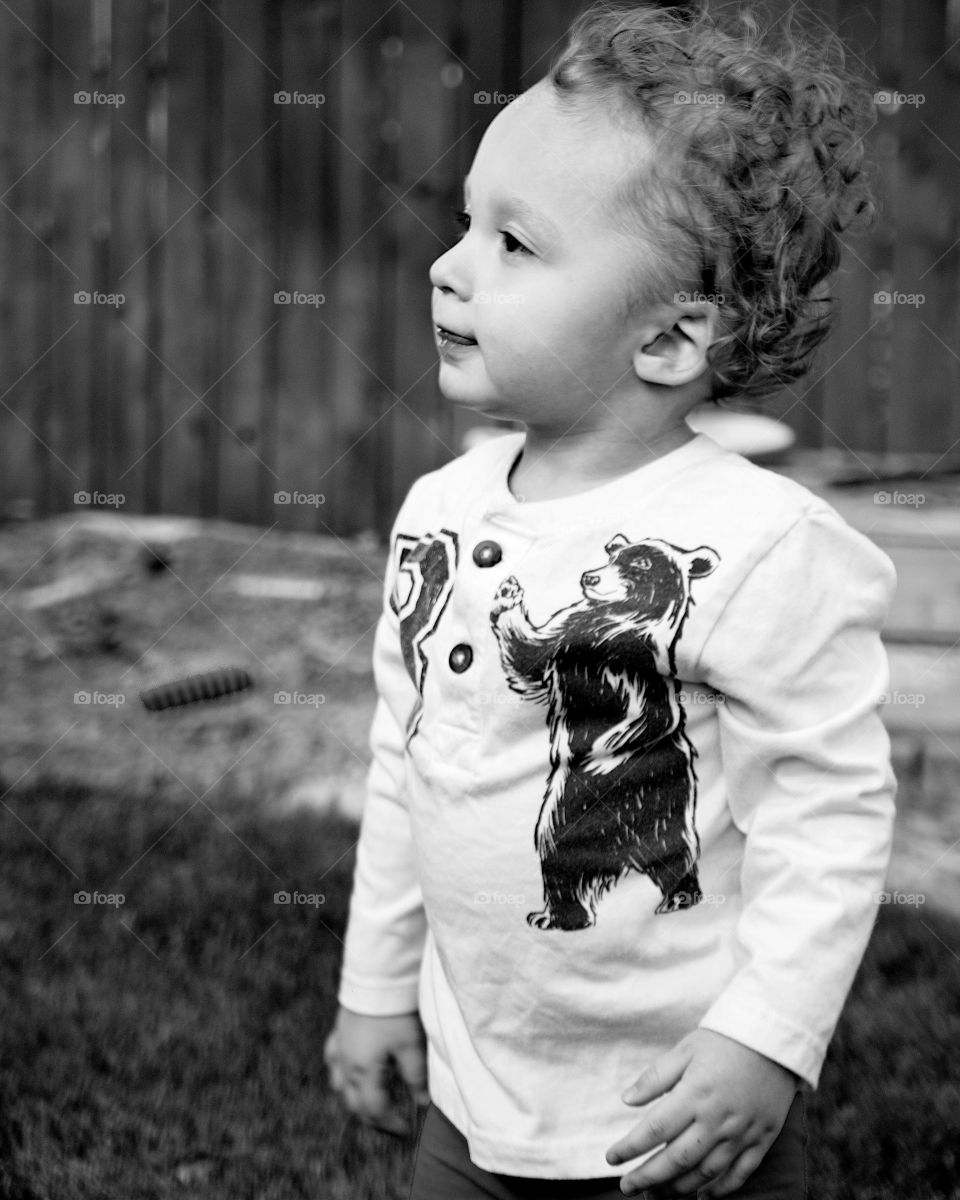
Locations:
487 554
461 656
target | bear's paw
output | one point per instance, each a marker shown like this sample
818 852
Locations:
508 595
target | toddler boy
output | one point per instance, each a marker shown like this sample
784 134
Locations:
630 798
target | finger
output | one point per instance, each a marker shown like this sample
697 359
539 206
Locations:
374 1102
709 1170
412 1066
682 1156
331 1060
665 1121
662 1074
737 1174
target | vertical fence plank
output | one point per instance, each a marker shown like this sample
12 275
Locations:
102 462
385 164
212 163
157 121
353 269
46 278
275 242
341 511
12 430
926 373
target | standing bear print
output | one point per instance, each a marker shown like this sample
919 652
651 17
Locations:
621 791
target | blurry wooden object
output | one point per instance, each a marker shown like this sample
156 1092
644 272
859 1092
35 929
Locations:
199 197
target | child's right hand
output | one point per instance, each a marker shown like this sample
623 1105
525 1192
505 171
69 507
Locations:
364 1058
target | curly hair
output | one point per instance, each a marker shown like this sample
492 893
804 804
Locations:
757 170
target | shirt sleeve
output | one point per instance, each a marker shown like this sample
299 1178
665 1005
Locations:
806 761
386 928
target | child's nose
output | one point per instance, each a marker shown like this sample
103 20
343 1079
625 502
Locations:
447 273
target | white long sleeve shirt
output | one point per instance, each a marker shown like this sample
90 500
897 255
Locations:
629 778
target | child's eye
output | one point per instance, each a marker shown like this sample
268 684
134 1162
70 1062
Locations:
513 246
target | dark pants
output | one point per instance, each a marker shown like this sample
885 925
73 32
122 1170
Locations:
443 1170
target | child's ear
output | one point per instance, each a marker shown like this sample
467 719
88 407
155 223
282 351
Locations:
674 350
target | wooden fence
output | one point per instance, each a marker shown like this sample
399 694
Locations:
147 153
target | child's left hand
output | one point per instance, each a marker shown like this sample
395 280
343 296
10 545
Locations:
723 1106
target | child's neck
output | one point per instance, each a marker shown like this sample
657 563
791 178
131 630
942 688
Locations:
551 468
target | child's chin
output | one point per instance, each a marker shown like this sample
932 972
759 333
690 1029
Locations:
459 392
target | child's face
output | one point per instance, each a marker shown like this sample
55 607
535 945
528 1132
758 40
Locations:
541 279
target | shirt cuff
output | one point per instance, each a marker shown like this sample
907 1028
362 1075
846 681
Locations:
748 1019
378 997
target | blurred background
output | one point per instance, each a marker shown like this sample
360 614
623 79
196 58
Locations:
217 382
173 169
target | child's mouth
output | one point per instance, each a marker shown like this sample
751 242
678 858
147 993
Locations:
446 337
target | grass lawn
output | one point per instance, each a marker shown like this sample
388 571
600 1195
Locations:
172 1046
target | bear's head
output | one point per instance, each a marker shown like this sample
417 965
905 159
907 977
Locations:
651 578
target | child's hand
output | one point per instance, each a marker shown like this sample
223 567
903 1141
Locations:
722 1108
364 1057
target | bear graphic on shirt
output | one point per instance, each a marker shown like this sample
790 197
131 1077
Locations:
621 791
